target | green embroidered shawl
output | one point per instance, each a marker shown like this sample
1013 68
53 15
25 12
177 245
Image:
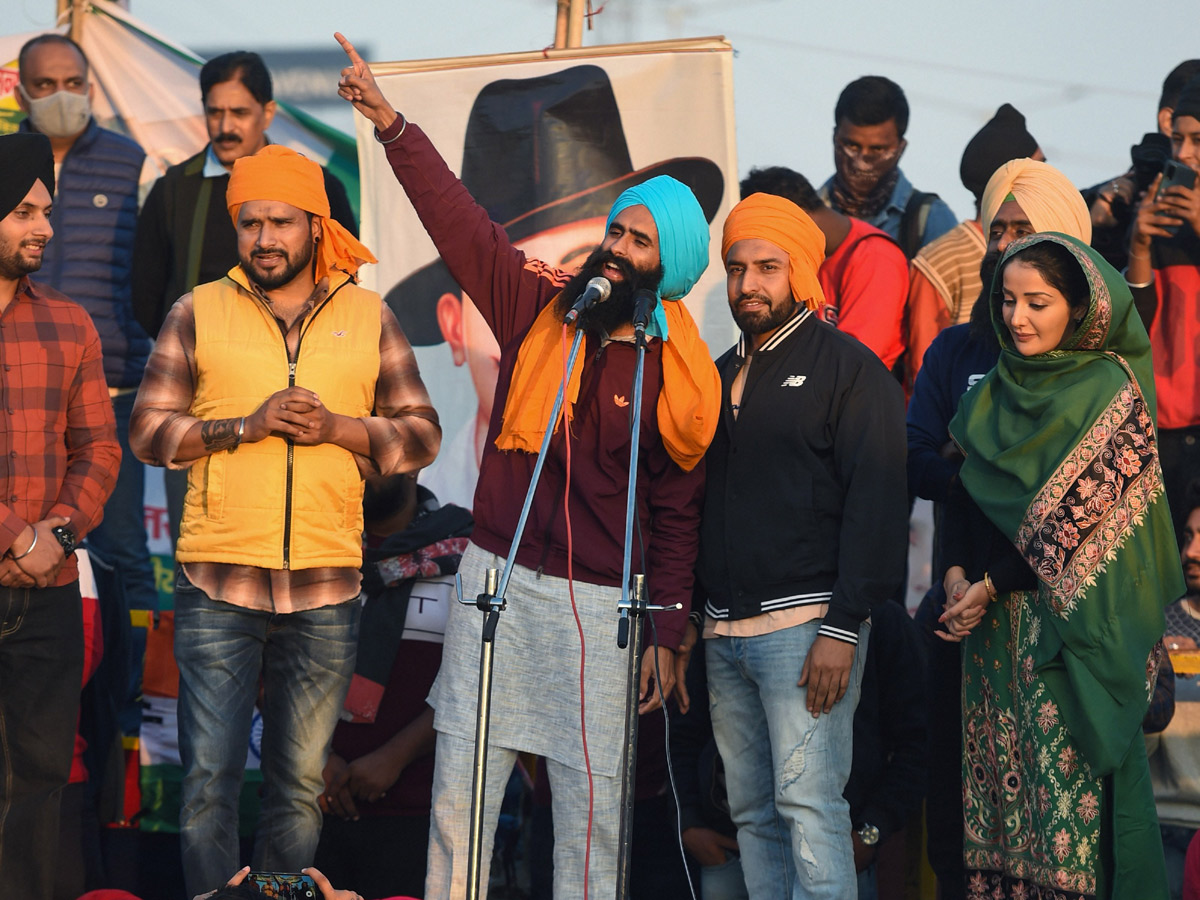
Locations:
1061 456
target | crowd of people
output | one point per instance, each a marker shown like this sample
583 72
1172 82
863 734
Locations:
1032 370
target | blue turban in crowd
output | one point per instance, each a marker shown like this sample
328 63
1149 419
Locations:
682 237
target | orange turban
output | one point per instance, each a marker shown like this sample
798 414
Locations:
277 173
784 224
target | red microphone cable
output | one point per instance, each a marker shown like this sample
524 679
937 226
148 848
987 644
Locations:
587 761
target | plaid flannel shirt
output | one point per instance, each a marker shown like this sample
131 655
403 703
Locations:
58 440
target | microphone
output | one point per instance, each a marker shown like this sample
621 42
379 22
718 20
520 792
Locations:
597 291
644 303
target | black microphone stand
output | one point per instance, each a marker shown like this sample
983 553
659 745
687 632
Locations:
491 601
632 611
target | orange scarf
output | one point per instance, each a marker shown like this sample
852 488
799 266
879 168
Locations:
688 404
277 173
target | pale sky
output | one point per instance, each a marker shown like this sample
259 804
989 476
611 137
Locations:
1086 74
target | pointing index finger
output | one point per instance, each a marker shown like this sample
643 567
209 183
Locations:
349 48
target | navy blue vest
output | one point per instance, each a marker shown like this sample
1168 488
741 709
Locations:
90 258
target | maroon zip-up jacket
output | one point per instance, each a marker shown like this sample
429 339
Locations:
510 290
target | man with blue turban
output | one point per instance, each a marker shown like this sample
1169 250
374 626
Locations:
559 682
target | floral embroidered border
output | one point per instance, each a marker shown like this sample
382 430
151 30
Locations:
1089 506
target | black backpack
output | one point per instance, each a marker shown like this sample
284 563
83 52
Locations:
913 222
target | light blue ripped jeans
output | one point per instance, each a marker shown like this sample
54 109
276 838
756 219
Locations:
785 770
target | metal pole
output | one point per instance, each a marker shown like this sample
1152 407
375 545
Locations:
629 753
491 601
482 729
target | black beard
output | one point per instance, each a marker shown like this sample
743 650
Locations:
981 313
279 279
14 267
617 310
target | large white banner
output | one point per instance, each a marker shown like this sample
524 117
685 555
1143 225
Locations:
545 145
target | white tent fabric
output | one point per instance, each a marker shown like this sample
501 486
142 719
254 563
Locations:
147 86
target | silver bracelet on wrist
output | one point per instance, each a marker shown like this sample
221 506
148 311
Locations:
241 432
398 133
1128 283
28 549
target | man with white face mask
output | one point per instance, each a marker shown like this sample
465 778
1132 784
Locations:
98 174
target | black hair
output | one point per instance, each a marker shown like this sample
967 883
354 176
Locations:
872 100
240 65
782 182
50 37
1059 267
1173 84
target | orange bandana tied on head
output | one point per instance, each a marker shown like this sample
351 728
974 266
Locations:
784 224
285 176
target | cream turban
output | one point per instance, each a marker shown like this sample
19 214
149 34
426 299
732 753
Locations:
1044 193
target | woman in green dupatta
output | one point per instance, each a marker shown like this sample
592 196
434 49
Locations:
1062 558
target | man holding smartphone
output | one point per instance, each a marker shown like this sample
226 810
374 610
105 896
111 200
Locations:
1164 258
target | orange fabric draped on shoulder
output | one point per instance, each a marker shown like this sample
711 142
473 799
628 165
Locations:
688 404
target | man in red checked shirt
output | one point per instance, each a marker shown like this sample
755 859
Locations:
58 463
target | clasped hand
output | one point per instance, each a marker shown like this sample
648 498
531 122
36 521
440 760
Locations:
294 412
965 607
40 567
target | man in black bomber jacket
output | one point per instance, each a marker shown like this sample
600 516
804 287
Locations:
804 531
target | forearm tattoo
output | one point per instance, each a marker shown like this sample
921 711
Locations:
220 434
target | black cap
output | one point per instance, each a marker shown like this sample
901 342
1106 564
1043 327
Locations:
24 158
1003 138
1188 103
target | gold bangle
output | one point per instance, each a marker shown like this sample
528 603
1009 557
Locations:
989 587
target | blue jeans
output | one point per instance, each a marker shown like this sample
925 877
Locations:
785 770
306 660
727 882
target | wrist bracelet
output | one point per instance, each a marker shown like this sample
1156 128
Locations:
397 137
989 587
1131 284
28 549
241 432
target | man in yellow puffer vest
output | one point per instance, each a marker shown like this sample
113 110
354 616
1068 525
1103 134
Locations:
278 388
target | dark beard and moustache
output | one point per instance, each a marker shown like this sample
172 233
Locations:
278 279
617 310
16 266
981 327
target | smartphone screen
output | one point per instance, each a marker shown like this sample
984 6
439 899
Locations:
284 885
1175 173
